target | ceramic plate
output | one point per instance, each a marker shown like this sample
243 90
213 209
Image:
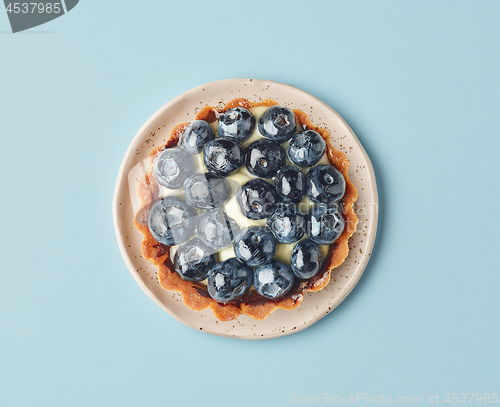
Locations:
183 108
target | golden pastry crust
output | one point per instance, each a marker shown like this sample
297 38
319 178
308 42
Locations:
195 295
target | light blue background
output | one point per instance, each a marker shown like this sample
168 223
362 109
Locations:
419 84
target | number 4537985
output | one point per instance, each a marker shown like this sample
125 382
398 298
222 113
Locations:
33 8
472 398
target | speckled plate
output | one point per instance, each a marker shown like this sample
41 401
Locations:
183 108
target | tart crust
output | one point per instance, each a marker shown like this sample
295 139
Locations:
195 295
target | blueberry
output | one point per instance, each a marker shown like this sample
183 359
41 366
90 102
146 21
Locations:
229 280
257 199
197 134
237 123
216 229
277 123
324 224
172 221
306 259
290 184
172 167
325 184
273 280
287 224
223 156
306 149
206 191
255 247
264 158
193 260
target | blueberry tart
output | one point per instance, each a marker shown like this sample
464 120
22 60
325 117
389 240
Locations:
246 208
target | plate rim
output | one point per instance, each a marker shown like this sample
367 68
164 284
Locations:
335 302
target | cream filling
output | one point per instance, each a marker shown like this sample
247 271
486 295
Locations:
236 181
